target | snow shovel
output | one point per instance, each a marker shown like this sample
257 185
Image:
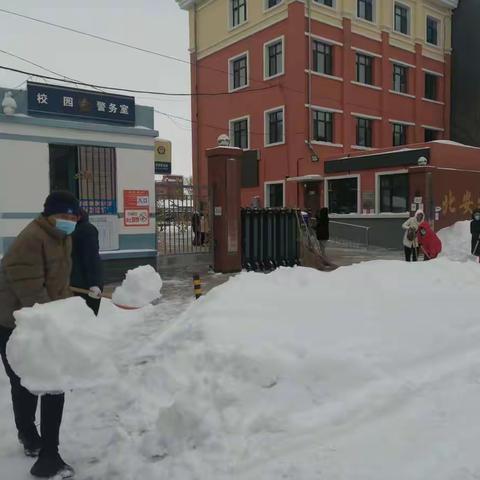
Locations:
104 295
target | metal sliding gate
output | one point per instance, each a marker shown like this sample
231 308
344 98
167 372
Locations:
183 220
270 238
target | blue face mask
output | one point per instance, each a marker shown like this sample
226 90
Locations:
65 226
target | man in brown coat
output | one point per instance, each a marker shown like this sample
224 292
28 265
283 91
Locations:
36 269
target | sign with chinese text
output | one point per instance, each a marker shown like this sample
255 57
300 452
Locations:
136 207
52 100
163 157
99 207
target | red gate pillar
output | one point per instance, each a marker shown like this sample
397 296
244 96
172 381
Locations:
224 180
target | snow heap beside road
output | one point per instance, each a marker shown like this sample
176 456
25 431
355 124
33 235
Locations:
456 242
59 346
141 286
369 372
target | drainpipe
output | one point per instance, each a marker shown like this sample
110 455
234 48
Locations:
309 83
197 126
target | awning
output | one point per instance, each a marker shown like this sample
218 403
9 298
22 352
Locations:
306 178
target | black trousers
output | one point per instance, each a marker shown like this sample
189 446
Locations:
93 303
25 406
411 254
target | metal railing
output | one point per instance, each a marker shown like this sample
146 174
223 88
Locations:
350 233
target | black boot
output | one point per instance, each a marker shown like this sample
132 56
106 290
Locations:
51 465
32 443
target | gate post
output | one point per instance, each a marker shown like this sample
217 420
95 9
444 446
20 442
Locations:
224 181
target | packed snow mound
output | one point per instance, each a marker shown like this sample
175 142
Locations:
456 242
62 345
141 286
368 372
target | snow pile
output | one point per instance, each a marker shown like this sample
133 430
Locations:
456 242
369 372
141 286
62 345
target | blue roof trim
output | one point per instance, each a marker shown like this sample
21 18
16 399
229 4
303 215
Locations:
85 126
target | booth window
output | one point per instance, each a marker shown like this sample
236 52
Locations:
343 195
394 193
430 135
89 173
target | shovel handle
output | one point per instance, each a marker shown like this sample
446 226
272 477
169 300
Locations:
84 291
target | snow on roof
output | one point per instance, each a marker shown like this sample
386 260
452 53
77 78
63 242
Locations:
450 142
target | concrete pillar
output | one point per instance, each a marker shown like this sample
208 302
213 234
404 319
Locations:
224 181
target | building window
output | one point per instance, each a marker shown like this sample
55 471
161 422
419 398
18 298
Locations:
239 72
274 58
322 58
400 78
343 195
432 30
328 3
274 127
431 86
364 69
239 133
402 19
238 10
274 195
430 135
365 9
394 192
272 3
323 126
399 134
364 132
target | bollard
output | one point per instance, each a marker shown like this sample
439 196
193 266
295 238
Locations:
197 286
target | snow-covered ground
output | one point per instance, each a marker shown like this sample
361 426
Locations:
370 372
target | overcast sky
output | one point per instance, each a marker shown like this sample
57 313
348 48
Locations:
158 25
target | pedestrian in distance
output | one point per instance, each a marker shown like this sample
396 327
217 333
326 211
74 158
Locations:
36 269
428 241
87 272
322 228
410 241
475 231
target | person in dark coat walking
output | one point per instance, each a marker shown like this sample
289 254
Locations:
475 231
322 228
87 272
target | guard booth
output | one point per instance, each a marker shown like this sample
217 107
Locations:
99 146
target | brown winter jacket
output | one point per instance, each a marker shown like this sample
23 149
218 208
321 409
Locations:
36 269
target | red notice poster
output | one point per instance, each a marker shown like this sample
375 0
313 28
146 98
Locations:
136 206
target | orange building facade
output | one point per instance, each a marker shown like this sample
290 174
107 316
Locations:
309 82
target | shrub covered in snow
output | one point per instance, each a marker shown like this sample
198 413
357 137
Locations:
456 242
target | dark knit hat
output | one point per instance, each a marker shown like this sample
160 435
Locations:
61 202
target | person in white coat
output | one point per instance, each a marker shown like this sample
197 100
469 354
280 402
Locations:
410 242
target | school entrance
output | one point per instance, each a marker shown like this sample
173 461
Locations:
183 225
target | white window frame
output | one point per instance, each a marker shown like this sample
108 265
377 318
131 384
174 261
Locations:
323 110
266 8
230 16
409 19
439 31
377 191
319 2
265 191
265 57
231 131
359 194
266 126
230 71
374 11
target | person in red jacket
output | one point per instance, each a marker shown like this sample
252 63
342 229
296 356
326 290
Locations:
428 240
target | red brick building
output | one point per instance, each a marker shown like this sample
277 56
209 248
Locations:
317 80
